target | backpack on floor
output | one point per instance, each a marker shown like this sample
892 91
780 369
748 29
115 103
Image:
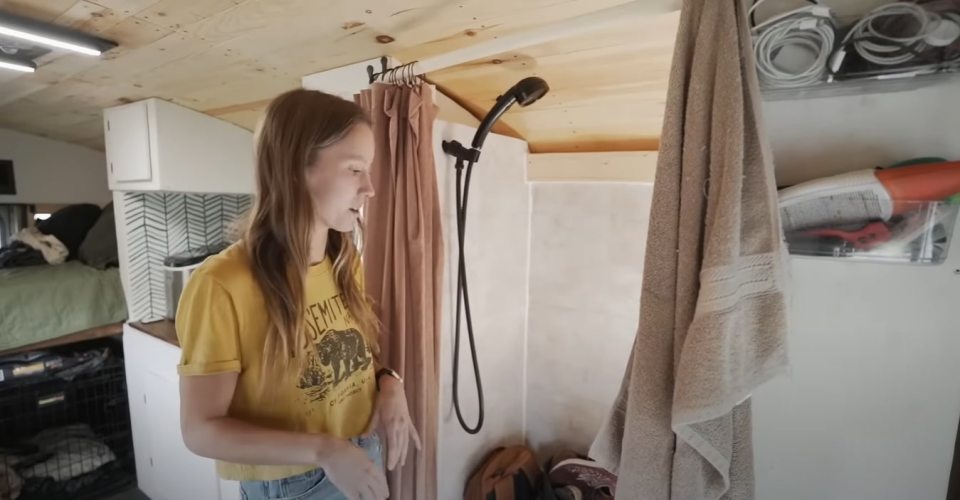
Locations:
508 473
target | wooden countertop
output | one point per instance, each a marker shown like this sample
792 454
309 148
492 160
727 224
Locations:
164 330
89 334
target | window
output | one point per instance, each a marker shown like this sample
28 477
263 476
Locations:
7 182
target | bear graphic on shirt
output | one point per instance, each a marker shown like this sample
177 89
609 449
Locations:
335 351
333 360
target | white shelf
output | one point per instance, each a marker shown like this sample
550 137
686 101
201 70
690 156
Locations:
861 86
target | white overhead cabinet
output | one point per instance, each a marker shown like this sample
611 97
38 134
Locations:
155 145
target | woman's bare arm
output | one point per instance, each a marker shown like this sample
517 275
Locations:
209 432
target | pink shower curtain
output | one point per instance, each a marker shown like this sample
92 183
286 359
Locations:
403 258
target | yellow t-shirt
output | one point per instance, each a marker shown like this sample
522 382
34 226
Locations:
221 325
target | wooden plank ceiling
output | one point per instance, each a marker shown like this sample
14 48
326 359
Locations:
229 57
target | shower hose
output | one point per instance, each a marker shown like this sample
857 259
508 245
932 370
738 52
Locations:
463 303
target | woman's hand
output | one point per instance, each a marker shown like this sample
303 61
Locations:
393 419
353 473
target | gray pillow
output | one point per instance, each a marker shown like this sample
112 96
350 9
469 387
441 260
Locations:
99 247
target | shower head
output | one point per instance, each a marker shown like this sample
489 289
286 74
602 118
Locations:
524 93
529 90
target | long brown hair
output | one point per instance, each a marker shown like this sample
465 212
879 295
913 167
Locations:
297 125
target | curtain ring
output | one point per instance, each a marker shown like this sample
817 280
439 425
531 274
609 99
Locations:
402 76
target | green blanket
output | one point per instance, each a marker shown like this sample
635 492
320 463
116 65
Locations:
39 303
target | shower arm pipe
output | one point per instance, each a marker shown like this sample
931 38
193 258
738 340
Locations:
607 18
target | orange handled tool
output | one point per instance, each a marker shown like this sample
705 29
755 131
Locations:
928 182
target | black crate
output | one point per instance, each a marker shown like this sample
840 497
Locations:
94 402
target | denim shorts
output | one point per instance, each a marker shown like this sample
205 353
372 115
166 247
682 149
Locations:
311 485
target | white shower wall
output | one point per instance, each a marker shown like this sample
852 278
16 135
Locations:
497 251
555 272
587 250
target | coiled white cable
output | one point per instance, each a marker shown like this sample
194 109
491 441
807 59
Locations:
809 28
889 50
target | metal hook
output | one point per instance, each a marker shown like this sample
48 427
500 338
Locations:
373 76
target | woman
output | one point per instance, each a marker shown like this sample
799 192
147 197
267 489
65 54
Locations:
279 380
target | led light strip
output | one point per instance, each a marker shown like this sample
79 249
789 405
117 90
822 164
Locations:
51 42
17 65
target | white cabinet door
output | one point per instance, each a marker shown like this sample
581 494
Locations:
135 351
127 138
155 145
166 469
181 473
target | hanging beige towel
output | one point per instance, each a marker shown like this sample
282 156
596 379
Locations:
712 317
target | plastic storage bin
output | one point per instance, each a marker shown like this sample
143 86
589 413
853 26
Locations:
859 228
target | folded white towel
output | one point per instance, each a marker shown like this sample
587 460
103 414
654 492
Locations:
54 252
